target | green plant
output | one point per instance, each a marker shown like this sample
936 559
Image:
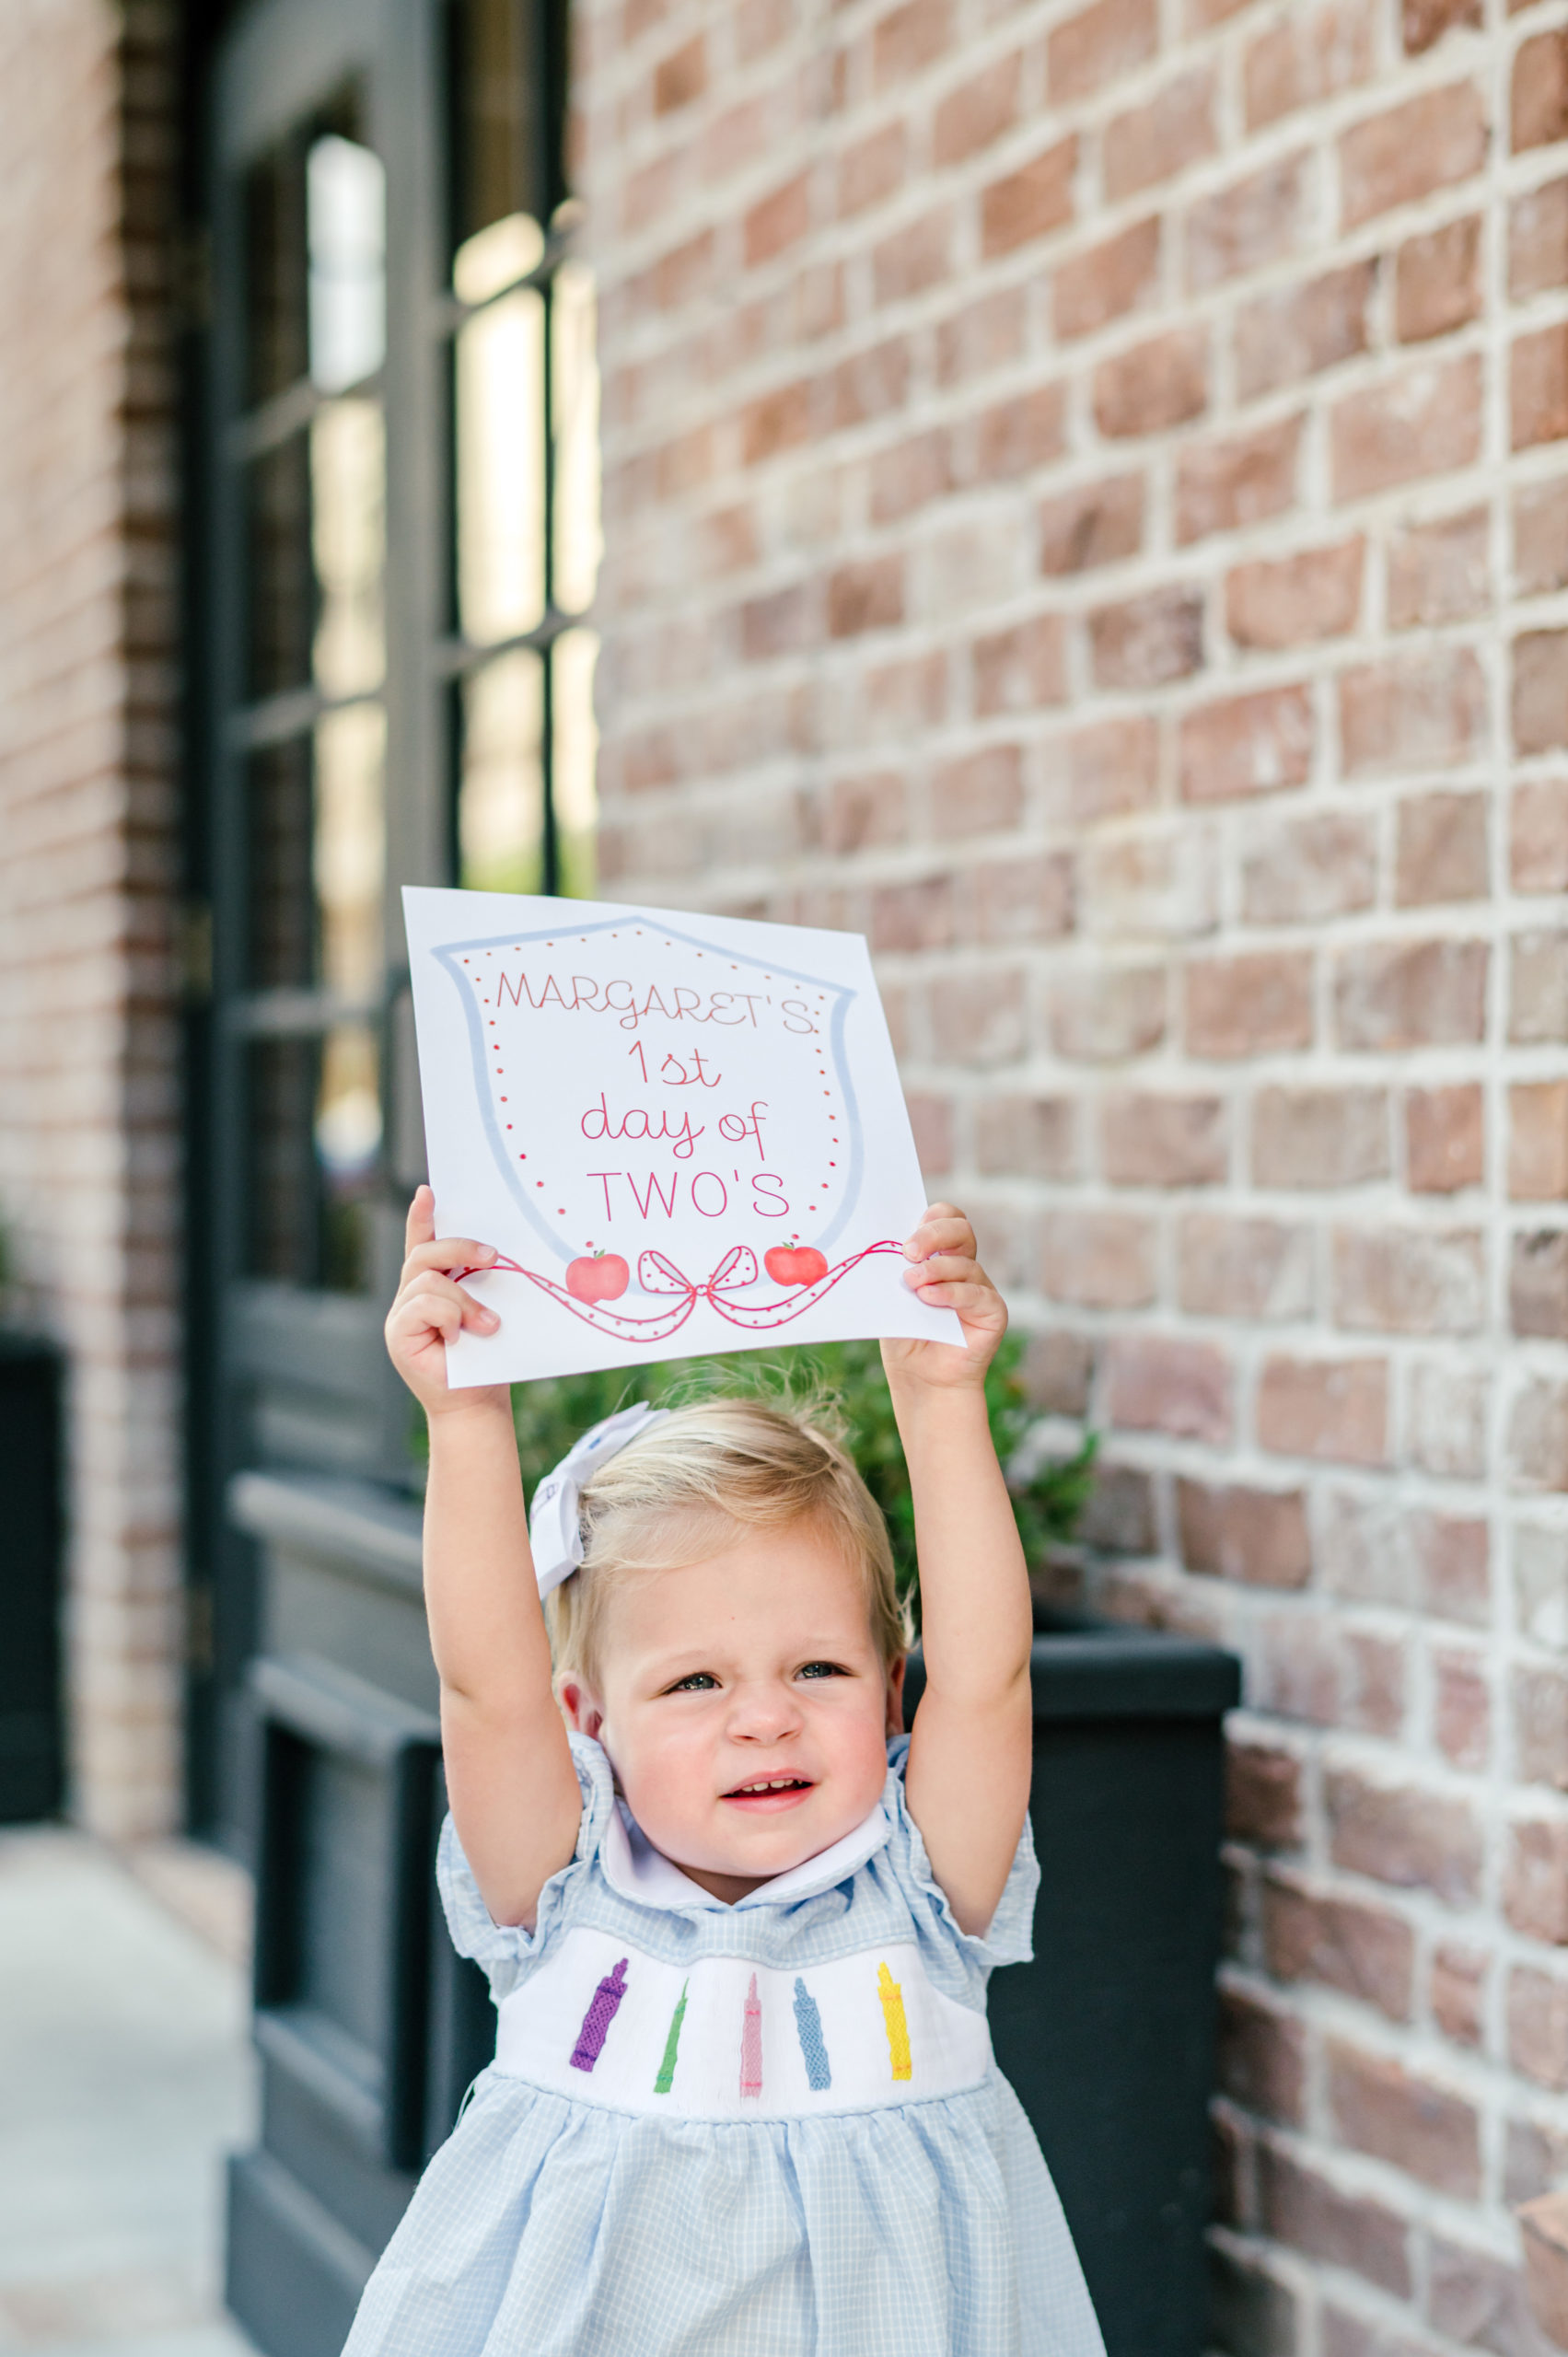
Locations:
1048 1501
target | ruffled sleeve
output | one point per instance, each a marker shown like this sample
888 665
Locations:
1009 1937
505 1950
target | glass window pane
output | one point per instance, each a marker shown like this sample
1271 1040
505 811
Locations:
493 141
350 864
346 217
313 1136
348 1142
575 419
492 258
281 1227
316 815
279 581
315 514
500 469
348 535
279 903
501 786
575 736
345 1871
275 272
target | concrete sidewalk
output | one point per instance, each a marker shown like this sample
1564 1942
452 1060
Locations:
125 2076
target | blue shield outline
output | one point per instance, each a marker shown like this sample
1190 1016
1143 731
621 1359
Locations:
449 953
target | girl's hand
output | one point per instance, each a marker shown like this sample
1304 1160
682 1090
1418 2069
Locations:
431 1308
946 1273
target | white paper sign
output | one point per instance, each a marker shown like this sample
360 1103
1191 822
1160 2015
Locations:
683 1134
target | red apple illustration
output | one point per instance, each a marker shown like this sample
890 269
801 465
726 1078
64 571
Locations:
599 1277
794 1263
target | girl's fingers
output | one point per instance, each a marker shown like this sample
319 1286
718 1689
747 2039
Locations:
952 1233
944 1222
435 1300
429 1284
977 1299
942 1265
419 1226
411 1323
413 1311
448 1252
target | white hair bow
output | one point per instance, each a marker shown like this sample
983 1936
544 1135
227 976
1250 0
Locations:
553 1531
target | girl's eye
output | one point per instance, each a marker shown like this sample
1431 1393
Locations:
698 1683
823 1669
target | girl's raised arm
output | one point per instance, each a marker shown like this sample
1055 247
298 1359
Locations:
510 1773
969 1766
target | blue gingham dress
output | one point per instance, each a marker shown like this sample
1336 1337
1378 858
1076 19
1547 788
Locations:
767 2130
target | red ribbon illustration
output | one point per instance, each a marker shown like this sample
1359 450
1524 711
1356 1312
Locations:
656 1274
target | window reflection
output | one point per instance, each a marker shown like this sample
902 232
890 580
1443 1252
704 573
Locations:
348 1110
315 260
281 948
350 852
497 150
494 257
501 783
525 505
315 499
575 422
282 1225
282 592
346 215
317 837
275 272
500 467
315 1129
348 536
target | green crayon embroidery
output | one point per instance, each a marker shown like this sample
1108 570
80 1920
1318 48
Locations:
665 2079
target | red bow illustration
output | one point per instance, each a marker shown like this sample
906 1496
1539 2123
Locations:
657 1274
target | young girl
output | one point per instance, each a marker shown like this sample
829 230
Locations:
738 1926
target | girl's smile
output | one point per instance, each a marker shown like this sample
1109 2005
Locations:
772 1793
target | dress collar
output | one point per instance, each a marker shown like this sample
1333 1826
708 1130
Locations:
635 1870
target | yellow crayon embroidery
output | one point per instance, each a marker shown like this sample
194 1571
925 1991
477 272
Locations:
892 1997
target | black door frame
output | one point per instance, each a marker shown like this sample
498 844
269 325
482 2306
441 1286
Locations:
262 70
275 64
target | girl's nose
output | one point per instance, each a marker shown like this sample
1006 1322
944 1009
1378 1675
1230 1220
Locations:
763 1715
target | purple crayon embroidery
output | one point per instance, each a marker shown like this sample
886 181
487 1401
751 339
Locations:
751 2043
597 2020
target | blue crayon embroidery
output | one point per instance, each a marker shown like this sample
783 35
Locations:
808 2029
597 2020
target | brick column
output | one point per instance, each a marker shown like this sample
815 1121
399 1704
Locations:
89 1146
1086 496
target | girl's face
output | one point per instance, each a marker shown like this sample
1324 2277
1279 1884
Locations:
743 1705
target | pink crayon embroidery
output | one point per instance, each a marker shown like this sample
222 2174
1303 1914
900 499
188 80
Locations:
597 2020
751 2043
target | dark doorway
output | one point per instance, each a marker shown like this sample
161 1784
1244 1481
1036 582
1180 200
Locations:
398 476
400 481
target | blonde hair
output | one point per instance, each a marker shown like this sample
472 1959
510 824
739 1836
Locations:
675 1494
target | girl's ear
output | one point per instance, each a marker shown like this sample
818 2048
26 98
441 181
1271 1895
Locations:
896 1695
580 1706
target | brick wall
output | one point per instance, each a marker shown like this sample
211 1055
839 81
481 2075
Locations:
1087 504
88 1162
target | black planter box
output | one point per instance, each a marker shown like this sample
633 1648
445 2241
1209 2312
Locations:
369 2028
31 1521
1108 2036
